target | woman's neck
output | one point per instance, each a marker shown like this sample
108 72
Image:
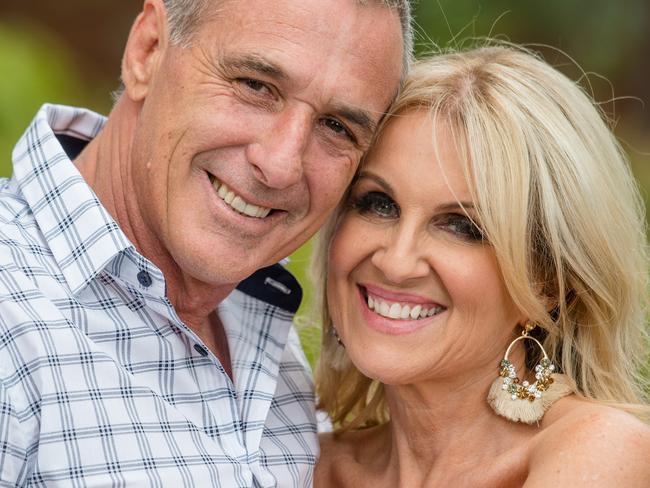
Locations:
445 430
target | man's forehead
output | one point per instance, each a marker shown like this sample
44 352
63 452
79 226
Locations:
358 46
289 24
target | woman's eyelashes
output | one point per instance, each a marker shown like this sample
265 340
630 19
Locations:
376 204
461 225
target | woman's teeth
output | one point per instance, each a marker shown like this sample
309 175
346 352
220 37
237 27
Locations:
238 203
393 310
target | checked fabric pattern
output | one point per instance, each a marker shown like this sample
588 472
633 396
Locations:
101 384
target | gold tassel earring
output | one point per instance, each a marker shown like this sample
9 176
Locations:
521 401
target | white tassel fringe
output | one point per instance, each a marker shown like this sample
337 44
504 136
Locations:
523 410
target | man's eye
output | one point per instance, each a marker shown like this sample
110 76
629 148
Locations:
337 127
254 85
377 204
463 227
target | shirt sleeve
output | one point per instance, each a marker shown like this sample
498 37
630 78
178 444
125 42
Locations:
14 444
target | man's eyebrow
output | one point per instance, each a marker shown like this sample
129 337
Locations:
255 64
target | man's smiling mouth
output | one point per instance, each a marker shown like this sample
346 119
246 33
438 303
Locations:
236 202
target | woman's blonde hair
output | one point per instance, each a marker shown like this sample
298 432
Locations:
556 200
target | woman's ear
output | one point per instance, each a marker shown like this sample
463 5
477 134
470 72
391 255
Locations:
144 49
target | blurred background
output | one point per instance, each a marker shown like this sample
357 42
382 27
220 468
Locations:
69 52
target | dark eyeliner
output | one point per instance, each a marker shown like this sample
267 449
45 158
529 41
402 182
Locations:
375 203
464 227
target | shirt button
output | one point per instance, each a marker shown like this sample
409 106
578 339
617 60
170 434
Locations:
201 350
144 279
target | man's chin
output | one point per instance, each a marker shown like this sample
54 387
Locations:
218 270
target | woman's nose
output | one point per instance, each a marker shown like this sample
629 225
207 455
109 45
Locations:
401 258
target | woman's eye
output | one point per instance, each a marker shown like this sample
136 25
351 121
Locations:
463 226
376 203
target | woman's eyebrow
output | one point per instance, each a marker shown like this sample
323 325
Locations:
443 207
364 174
456 205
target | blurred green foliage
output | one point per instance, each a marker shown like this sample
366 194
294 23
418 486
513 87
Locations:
307 328
35 69
598 33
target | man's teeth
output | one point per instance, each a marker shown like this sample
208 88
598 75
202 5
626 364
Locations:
394 310
237 202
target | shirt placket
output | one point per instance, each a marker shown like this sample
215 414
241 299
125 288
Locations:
259 337
225 427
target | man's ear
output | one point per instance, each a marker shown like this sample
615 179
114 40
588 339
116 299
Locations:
144 49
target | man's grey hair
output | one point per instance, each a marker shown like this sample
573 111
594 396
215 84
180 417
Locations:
185 15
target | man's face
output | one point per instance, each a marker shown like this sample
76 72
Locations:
247 139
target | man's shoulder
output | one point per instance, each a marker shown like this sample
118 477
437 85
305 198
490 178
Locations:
30 281
13 207
27 299
24 251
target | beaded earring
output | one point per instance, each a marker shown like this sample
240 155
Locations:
521 401
335 333
339 359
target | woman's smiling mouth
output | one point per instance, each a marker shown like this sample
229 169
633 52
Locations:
396 310
404 312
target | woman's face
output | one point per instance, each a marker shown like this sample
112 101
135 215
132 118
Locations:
414 291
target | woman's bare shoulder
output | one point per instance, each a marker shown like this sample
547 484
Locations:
587 444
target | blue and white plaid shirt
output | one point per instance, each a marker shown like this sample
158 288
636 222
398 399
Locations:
101 384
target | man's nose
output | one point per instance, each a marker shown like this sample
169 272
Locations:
401 257
277 156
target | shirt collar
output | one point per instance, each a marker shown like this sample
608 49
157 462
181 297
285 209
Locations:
81 233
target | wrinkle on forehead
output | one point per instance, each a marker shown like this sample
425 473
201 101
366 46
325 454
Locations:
293 24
